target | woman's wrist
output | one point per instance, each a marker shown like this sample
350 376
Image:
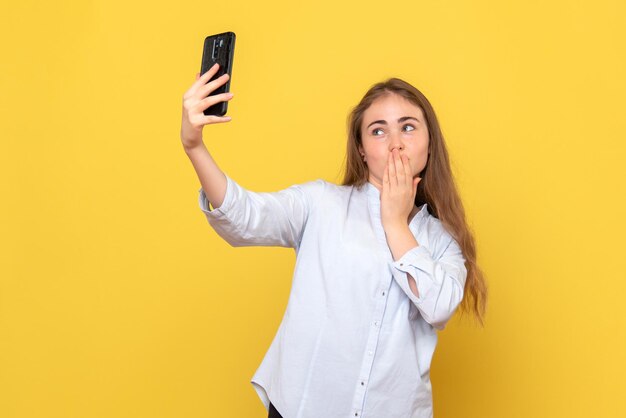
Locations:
400 239
193 148
395 225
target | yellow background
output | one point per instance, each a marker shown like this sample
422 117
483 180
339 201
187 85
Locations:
117 299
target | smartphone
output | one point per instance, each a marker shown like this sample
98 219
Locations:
219 48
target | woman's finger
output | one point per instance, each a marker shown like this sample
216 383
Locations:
201 80
416 181
399 164
408 176
211 100
207 75
393 181
215 119
208 88
386 179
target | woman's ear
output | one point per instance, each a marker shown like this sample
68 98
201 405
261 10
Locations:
362 152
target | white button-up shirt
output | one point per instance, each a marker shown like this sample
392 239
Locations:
354 341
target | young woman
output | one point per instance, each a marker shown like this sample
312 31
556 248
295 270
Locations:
382 260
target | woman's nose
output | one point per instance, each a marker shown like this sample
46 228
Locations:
395 142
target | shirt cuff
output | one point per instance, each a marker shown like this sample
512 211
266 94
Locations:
417 258
224 208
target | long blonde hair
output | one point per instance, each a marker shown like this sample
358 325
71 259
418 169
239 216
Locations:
437 187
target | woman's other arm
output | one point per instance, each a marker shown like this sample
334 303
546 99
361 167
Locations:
400 240
397 204
434 284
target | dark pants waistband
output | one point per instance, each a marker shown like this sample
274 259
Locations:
273 413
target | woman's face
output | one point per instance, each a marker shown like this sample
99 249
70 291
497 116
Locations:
393 122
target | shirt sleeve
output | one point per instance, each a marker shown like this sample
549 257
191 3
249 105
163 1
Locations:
440 282
247 218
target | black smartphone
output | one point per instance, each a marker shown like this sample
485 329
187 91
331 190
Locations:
219 49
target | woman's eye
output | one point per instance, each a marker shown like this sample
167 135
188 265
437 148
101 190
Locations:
405 126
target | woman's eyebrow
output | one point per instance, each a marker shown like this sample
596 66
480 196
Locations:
402 119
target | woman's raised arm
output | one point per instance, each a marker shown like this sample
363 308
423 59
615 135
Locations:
195 100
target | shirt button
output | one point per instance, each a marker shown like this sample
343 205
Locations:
370 352
401 264
362 383
356 414
375 323
383 293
